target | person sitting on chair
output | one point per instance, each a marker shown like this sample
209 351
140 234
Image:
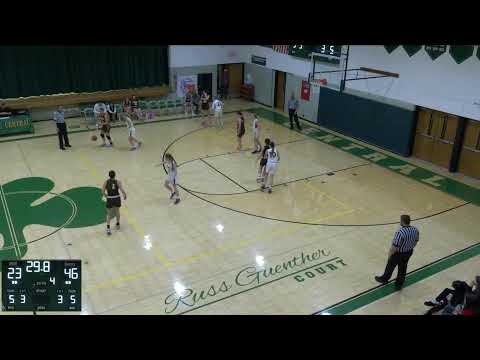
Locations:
449 301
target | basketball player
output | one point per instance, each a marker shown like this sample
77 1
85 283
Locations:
256 135
273 158
110 190
217 107
171 181
263 161
105 129
240 129
134 142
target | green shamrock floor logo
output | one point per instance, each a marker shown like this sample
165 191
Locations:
75 208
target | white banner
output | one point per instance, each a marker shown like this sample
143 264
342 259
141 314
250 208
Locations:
186 82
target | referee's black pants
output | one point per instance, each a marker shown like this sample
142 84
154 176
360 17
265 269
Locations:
62 135
292 114
401 260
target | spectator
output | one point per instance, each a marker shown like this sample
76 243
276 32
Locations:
112 111
4 110
473 294
127 105
449 301
196 101
188 102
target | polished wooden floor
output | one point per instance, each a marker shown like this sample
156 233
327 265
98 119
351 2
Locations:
227 248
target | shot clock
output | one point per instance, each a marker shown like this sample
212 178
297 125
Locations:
41 285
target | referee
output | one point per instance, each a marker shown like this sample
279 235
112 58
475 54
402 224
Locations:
292 111
59 117
406 238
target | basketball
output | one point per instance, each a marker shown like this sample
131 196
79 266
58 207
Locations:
94 137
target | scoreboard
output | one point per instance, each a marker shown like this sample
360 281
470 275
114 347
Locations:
41 285
332 53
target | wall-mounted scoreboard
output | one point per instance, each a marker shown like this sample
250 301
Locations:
41 285
332 53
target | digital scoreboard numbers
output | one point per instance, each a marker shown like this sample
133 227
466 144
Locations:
41 285
332 53
302 51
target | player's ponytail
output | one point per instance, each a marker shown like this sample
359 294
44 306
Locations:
272 146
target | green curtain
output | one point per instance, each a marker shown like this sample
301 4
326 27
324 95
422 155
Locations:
43 70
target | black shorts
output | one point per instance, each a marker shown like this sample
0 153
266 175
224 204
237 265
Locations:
204 106
114 202
241 134
105 129
263 162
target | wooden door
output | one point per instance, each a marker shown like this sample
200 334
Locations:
469 163
235 72
423 145
280 90
435 136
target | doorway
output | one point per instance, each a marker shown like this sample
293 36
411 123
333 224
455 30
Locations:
280 83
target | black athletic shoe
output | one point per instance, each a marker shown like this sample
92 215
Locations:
177 200
380 280
171 196
68 145
62 148
109 232
430 303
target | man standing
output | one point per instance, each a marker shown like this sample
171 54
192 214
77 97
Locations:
405 239
59 117
292 111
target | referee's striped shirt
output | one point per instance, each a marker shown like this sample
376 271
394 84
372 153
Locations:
406 238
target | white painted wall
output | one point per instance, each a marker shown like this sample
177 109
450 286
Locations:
441 84
286 63
201 55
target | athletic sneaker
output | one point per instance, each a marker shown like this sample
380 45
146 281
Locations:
177 200
133 148
171 196
269 190
263 188
109 232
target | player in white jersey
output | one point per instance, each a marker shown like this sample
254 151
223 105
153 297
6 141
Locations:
273 158
256 135
171 181
217 107
134 142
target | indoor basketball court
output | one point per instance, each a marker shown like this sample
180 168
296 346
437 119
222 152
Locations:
311 246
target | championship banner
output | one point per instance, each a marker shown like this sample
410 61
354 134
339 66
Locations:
186 82
305 90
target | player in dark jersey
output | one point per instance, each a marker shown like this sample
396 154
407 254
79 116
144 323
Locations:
240 129
263 161
111 190
105 129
